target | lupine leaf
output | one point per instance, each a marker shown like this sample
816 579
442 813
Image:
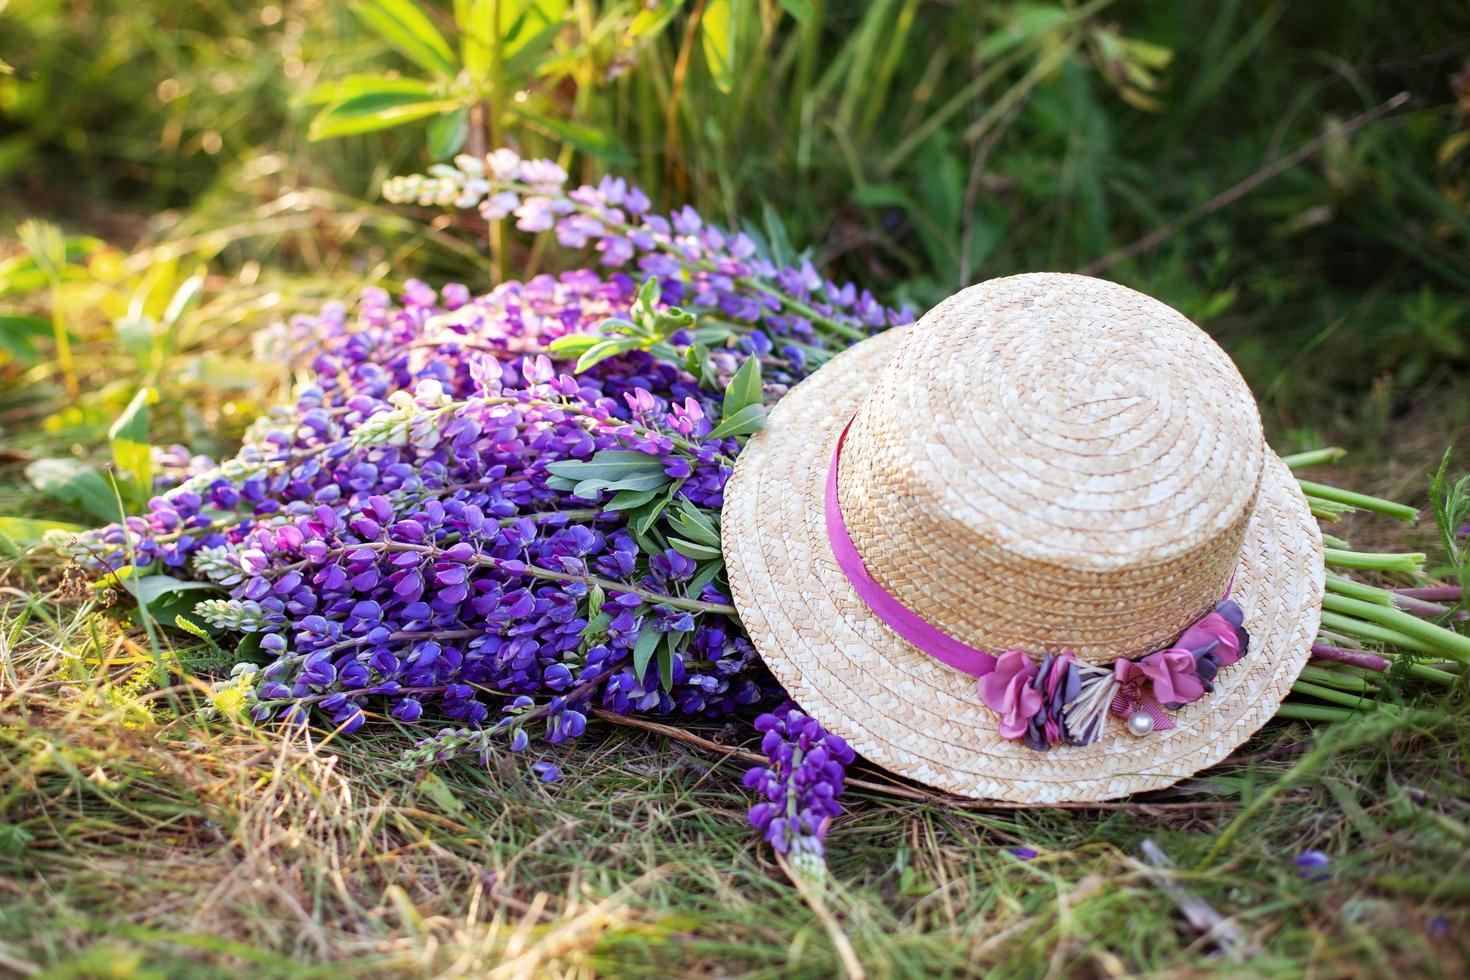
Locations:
629 499
373 111
25 531
690 549
588 489
643 648
404 26
603 350
666 660
447 133
610 464
18 334
718 37
342 89
74 482
744 388
800 10
573 344
749 419
706 574
594 142
130 447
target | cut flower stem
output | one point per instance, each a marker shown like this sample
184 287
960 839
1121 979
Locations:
1378 505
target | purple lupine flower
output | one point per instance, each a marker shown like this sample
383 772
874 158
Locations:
1312 865
389 535
799 788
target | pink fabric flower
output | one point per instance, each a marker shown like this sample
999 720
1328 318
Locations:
1173 676
1007 691
1214 635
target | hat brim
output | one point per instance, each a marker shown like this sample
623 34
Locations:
907 712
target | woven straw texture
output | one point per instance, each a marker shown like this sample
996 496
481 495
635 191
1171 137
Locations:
1044 461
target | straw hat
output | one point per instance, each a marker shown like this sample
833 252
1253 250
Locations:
1044 463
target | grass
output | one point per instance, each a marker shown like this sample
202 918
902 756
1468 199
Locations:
146 831
188 842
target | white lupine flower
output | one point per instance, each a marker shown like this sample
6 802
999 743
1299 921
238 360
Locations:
470 165
504 164
219 565
241 615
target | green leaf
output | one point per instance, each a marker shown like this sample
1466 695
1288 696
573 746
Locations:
629 499
373 111
131 451
342 89
749 419
653 18
648 545
18 334
402 25
644 520
593 142
800 10
588 489
609 464
476 36
596 626
528 43
448 132
645 645
744 389
666 660
706 574
573 344
718 37
690 521
76 483
26 531
438 790
690 549
602 350
149 589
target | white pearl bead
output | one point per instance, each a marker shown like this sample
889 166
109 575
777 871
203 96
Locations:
1140 723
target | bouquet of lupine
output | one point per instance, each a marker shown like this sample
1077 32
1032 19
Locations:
489 516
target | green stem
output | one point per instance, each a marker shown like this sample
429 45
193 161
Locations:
1440 640
1408 562
1377 504
1314 712
1360 701
1315 457
1373 632
1359 591
1342 680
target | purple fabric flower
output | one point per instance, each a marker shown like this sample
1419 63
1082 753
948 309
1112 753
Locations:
1007 691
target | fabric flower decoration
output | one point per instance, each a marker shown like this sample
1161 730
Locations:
1173 677
1007 691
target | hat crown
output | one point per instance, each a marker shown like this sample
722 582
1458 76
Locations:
1054 462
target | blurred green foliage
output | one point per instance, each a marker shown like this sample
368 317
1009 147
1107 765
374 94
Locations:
915 146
